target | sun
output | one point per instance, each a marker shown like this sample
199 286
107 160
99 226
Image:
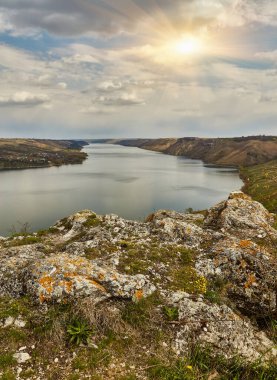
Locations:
187 45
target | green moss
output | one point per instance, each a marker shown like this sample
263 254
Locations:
8 375
6 360
14 307
92 221
138 258
187 280
16 335
27 374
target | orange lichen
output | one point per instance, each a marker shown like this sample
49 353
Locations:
139 294
101 276
251 280
245 243
67 285
47 283
42 298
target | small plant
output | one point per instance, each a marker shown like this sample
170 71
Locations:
213 296
6 360
78 332
171 313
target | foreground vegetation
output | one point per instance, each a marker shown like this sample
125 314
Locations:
81 341
261 183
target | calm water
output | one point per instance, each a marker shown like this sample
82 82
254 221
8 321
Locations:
129 182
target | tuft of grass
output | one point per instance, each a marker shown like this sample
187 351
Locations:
6 360
78 332
171 313
51 230
138 314
92 221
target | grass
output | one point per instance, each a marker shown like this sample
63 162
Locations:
92 221
8 375
200 363
28 240
138 314
261 183
187 280
13 307
137 334
6 360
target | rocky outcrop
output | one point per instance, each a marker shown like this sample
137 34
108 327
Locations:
219 327
183 257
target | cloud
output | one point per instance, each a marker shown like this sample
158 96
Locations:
109 86
23 99
122 99
78 17
268 55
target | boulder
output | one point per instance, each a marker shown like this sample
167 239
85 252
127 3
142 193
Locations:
220 329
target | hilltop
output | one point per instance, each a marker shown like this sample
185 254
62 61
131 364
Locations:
34 153
179 296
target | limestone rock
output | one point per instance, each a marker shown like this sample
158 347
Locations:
22 357
219 328
66 276
242 216
249 273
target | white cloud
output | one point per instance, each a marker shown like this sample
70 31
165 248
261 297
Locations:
23 98
122 99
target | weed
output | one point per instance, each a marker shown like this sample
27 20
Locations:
213 296
171 313
78 332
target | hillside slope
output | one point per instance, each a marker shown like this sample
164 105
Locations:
30 153
243 151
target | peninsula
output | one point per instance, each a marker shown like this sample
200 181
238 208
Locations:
34 153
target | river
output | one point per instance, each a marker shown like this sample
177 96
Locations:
126 181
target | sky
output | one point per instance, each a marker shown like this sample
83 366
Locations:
138 68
